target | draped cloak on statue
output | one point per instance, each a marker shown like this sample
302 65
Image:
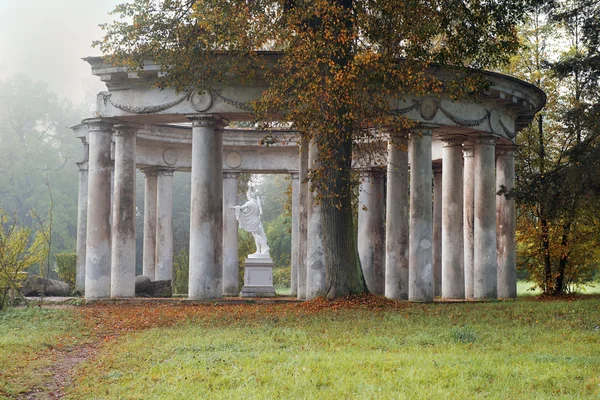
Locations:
248 215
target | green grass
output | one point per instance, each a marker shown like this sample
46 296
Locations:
27 337
524 289
512 350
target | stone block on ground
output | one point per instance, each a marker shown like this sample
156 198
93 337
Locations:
142 284
161 289
37 285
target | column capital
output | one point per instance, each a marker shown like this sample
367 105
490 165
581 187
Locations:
161 171
295 175
149 171
486 140
124 129
396 134
206 120
98 124
506 149
230 175
452 141
422 130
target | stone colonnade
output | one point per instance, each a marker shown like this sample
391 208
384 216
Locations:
450 235
455 240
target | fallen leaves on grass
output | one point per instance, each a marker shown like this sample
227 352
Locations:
107 321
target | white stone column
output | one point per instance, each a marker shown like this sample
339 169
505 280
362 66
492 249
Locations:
453 276
437 229
420 268
164 224
122 280
202 272
295 232
231 266
302 217
315 256
371 233
97 252
150 197
82 205
484 258
468 217
396 225
217 284
506 223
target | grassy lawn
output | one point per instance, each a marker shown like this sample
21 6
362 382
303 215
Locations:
28 339
383 350
367 348
524 289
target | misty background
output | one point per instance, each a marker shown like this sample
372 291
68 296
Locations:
46 41
45 87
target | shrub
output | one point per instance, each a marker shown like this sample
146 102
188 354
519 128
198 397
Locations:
19 250
282 277
181 263
66 266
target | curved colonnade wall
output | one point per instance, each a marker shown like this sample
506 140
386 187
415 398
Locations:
457 243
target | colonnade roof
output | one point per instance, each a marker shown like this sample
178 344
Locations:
506 107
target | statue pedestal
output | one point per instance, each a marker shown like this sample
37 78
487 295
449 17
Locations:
258 276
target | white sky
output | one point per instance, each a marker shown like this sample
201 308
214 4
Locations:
46 39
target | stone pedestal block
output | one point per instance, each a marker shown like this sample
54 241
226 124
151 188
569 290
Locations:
258 276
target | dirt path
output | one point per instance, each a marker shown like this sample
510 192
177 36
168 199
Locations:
60 375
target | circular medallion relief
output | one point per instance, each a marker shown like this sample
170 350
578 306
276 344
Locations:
233 159
201 100
494 120
170 156
428 109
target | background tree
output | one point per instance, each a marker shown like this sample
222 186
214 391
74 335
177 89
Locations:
340 62
555 188
35 145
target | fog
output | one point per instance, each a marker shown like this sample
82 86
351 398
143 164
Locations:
46 39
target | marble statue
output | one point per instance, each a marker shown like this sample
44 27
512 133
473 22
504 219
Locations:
248 215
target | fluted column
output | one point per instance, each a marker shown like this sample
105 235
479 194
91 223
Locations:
421 218
202 274
437 229
468 216
164 224
315 256
453 276
122 281
150 196
230 236
295 232
485 261
396 225
82 205
302 217
97 252
371 233
506 223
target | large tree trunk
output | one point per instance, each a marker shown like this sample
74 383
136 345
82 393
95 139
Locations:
342 264
559 287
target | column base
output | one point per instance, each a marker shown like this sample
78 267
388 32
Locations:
258 291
